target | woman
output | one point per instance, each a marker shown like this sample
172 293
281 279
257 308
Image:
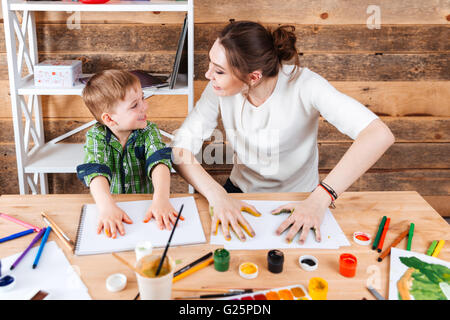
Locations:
271 108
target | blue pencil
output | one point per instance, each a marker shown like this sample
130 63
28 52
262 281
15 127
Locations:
17 235
41 247
36 239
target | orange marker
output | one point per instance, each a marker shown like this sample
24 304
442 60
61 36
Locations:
383 235
387 251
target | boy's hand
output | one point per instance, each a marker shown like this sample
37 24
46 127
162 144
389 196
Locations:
163 212
110 219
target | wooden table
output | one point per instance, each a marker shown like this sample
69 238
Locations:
356 211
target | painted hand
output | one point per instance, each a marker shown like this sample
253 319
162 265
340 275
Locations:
228 213
303 215
163 212
110 220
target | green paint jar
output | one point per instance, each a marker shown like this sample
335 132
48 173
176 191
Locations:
221 260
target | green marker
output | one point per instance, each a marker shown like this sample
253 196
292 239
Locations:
432 247
380 231
410 236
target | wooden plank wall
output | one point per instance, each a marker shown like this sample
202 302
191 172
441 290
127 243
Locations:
400 71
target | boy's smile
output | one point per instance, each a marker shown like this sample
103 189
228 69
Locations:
129 114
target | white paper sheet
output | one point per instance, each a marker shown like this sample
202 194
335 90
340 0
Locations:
265 226
189 231
54 275
398 269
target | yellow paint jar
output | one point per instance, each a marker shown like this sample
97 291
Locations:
248 270
318 288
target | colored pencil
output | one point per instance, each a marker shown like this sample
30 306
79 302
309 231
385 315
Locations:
375 293
17 235
383 235
438 248
218 290
168 242
41 247
36 239
217 295
194 269
40 295
380 230
432 247
55 227
410 236
387 251
70 245
22 223
192 264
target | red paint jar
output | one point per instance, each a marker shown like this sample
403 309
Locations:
347 265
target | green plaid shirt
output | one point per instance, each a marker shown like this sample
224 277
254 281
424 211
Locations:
127 169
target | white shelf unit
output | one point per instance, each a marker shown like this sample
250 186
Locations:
36 157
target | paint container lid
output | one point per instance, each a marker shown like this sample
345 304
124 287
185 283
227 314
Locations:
275 260
7 283
308 263
116 282
221 259
361 238
248 270
143 248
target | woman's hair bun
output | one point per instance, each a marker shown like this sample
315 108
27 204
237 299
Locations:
284 42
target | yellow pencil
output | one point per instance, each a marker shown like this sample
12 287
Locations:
193 269
438 248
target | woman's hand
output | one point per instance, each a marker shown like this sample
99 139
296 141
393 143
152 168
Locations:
305 215
110 220
227 211
163 212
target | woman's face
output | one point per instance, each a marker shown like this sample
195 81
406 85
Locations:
223 81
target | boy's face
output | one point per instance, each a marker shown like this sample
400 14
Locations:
130 114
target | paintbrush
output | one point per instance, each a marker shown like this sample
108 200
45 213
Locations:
168 242
218 295
129 265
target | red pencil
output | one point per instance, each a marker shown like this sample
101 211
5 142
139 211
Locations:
383 235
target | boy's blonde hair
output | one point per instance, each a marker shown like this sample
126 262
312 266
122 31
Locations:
106 88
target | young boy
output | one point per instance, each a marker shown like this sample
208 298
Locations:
124 152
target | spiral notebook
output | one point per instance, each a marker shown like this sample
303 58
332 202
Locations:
188 231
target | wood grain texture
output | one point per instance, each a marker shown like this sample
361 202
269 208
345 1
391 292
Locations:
385 98
350 38
310 38
323 12
405 129
332 66
288 11
366 67
355 211
389 173
398 156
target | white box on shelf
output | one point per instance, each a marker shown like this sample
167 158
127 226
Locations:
57 73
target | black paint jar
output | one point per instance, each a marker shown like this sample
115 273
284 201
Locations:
275 260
